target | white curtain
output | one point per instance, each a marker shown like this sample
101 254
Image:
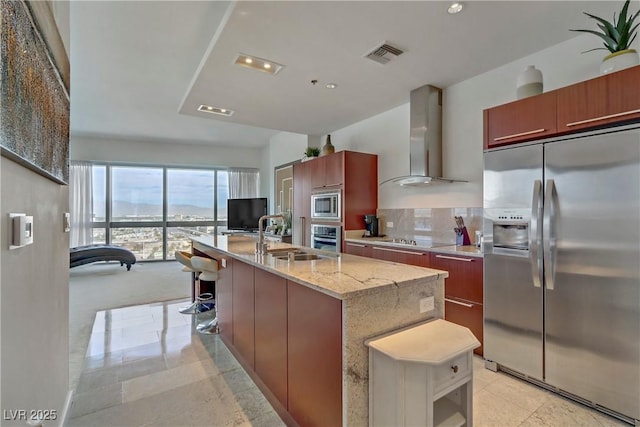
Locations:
244 183
80 203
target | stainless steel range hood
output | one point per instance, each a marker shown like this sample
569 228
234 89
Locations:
425 162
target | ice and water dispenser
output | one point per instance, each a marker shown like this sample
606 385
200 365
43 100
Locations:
507 231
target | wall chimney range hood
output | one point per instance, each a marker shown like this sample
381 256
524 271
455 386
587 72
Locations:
425 145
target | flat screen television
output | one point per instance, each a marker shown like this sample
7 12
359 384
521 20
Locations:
244 214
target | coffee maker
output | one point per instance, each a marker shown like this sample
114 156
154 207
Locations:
371 226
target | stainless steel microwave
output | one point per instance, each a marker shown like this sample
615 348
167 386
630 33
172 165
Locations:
325 206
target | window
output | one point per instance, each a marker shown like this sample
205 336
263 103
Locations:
190 195
178 238
144 242
154 210
136 194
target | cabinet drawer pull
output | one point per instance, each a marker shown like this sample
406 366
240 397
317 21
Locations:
355 244
455 258
515 135
459 303
610 116
454 368
399 251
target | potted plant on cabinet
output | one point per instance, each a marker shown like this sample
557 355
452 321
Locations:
617 37
310 153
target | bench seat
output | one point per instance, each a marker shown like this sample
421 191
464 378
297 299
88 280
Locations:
81 255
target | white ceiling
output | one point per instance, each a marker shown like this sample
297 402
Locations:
140 69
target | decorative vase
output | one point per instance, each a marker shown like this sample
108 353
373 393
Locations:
619 60
327 148
529 82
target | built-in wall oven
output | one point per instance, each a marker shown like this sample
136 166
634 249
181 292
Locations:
326 206
326 237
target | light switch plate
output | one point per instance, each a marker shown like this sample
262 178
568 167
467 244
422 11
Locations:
224 263
389 224
66 222
21 230
427 304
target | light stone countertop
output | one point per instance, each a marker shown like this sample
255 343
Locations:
343 277
469 250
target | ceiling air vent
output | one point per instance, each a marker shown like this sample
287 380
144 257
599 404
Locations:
383 53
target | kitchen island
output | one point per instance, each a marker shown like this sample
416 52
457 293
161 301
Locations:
299 327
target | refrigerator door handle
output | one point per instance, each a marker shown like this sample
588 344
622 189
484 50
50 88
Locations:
535 234
549 235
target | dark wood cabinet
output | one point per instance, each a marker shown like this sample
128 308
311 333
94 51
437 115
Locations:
522 120
287 336
404 256
602 101
357 249
353 174
360 190
463 291
301 218
465 275
223 288
468 314
224 296
271 332
314 357
244 312
334 169
327 171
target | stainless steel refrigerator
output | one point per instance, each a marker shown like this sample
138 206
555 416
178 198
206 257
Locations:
562 265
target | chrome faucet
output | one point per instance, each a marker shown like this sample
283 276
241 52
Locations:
261 246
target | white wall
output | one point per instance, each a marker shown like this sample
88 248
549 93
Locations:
283 148
34 284
387 134
162 153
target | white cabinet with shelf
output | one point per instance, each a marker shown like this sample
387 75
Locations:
422 375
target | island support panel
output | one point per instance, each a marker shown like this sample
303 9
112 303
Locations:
371 315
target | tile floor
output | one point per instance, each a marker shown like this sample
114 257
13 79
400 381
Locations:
146 365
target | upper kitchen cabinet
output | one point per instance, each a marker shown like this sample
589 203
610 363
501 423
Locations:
327 171
603 101
360 188
353 174
612 98
522 120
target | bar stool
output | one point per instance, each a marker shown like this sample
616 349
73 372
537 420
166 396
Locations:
199 305
209 272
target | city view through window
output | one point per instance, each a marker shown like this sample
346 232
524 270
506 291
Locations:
152 211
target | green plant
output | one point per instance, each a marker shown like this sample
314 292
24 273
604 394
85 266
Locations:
617 36
287 219
312 152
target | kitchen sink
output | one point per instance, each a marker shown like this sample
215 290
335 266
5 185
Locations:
299 255
282 251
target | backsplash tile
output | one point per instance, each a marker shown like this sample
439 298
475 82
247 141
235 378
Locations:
429 224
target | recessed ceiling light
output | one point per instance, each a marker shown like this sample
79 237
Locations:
259 64
332 86
455 8
215 110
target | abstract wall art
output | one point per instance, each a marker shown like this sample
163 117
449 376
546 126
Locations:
34 104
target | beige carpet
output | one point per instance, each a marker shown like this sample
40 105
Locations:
101 286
